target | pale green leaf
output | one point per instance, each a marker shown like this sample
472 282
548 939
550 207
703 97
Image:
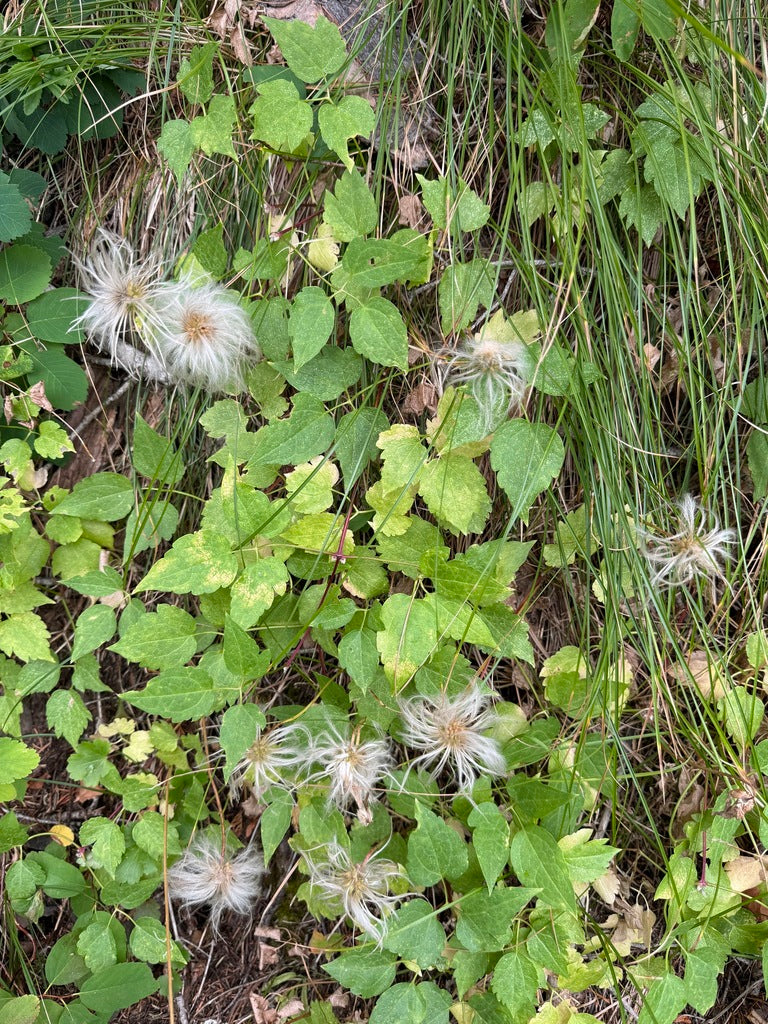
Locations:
177 146
350 209
526 457
310 325
67 715
312 52
280 117
212 131
377 331
408 637
342 121
17 760
195 77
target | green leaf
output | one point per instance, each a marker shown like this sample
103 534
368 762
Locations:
641 209
490 838
148 943
26 637
435 850
677 174
12 832
463 288
702 967
198 563
625 26
308 432
159 640
62 880
455 493
19 1009
154 521
67 715
65 382
526 457
96 945
366 973
743 713
280 117
105 497
154 456
89 763
378 332
52 440
350 209
179 695
539 863
415 934
17 760
242 655
156 836
310 486
359 657
240 725
195 77
331 372
275 821
118 987
356 438
311 323
515 983
63 964
15 217
486 918
177 146
464 209
212 131
377 262
94 627
50 316
107 840
342 121
757 459
398 1004
664 1000
311 52
407 638
404 456
25 272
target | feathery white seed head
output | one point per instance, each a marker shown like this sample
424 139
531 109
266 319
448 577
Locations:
694 552
361 889
123 291
206 875
496 372
354 768
452 732
204 335
270 760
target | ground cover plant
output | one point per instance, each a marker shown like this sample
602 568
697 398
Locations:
384 468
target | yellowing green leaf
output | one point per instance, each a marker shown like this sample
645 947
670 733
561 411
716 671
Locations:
198 563
455 493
